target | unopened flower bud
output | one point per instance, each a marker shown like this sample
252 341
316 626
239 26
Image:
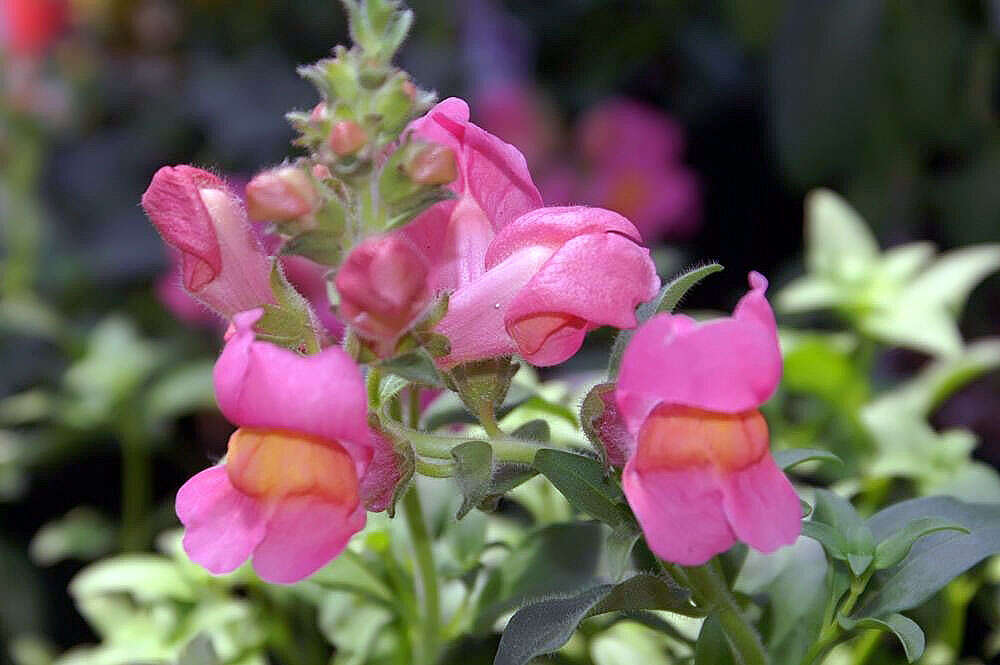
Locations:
410 89
604 426
347 137
281 194
321 172
433 164
319 112
222 262
383 288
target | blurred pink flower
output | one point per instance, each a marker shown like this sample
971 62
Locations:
171 294
222 262
28 27
521 115
633 152
699 474
289 492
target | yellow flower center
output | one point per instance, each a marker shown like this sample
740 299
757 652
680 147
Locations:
267 463
678 437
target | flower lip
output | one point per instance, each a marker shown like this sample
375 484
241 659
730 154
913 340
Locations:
274 464
679 437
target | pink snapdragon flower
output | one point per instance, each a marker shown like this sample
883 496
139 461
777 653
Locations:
289 492
222 262
700 475
523 279
551 276
634 153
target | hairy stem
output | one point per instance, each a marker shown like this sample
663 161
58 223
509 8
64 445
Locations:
711 591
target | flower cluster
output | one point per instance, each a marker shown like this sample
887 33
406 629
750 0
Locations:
433 240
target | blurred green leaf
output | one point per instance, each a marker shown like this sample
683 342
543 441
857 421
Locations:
787 459
183 390
712 647
83 533
147 577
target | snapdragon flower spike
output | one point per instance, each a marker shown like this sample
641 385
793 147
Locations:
222 262
551 276
699 474
383 288
289 492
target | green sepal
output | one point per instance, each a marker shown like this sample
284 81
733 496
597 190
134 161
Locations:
289 322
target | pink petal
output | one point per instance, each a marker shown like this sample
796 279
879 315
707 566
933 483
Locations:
475 320
553 227
175 206
585 291
626 131
222 525
680 513
762 506
303 535
727 365
262 385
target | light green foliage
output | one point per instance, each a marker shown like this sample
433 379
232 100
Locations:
903 296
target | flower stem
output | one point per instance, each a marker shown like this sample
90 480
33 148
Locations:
426 575
711 591
136 485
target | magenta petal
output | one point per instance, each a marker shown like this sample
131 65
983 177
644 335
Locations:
727 365
475 320
304 533
680 513
762 506
174 204
554 226
601 292
222 525
259 384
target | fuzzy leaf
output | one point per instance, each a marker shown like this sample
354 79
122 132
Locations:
908 632
584 484
786 459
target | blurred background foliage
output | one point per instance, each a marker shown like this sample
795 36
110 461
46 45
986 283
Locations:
892 103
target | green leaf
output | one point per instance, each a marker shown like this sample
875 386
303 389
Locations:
934 560
199 651
146 576
838 241
288 323
473 473
665 301
183 390
558 559
853 539
83 533
545 626
894 549
712 647
533 430
585 485
786 459
319 245
908 632
416 366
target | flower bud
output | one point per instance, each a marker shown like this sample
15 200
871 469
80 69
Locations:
389 472
604 426
383 288
347 137
222 262
432 164
281 194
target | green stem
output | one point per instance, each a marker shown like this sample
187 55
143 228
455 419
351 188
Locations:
832 633
136 484
488 419
426 575
711 591
439 446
